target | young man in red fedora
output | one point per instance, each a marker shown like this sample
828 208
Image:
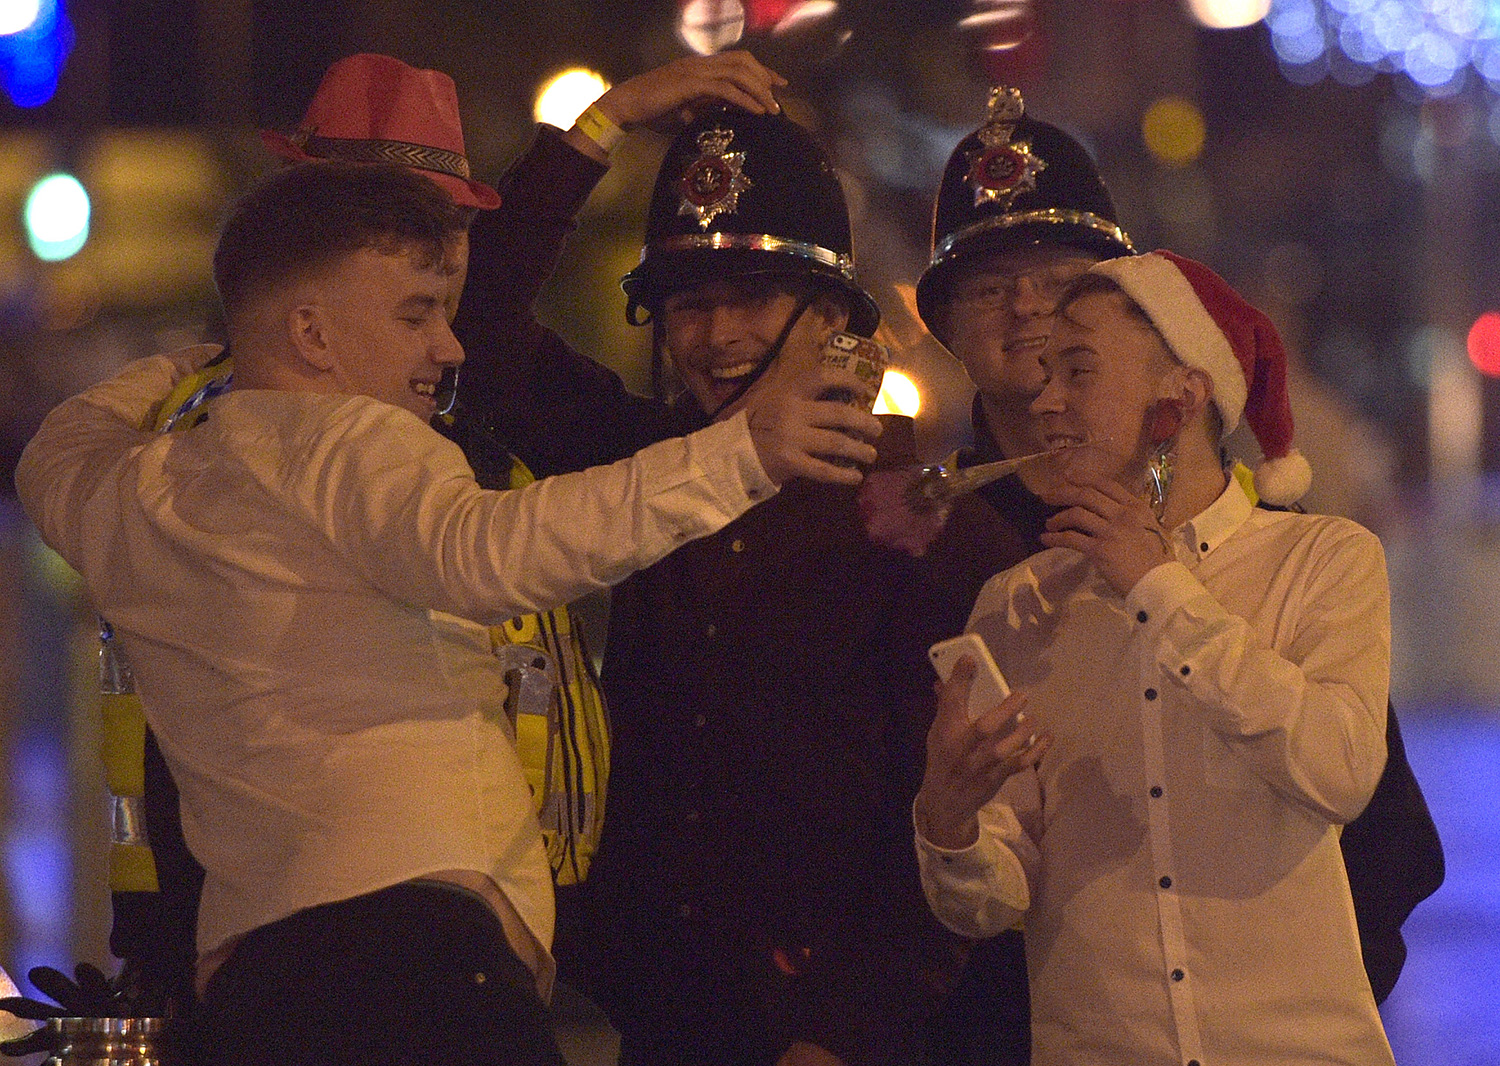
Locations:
375 109
1207 683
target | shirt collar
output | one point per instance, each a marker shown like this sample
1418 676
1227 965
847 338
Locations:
1215 524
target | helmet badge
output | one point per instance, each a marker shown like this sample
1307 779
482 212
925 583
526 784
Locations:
712 183
1002 169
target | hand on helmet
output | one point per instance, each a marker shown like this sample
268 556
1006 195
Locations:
674 90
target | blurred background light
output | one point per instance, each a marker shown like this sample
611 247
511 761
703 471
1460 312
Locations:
1174 130
1432 42
35 39
16 15
710 26
1484 344
899 395
565 96
1228 14
57 217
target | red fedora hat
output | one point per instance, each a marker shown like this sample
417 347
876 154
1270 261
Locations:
376 109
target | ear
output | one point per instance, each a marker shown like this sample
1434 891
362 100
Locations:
1197 391
832 310
308 330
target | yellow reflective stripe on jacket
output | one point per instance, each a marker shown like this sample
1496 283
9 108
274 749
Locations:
122 741
565 751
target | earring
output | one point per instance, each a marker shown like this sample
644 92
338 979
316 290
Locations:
1166 422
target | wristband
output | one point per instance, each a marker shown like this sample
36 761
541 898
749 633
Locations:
599 128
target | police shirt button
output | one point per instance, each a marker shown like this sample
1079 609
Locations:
1203 547
737 545
1178 975
1186 669
1142 616
1156 792
480 978
1165 882
1151 693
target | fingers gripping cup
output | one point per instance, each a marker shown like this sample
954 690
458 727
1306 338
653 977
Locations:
866 360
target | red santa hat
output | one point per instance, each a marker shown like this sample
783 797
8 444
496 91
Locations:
1211 327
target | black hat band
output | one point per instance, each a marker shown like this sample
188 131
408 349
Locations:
1047 215
420 156
754 242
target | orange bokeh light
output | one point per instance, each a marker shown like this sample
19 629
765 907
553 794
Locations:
1484 344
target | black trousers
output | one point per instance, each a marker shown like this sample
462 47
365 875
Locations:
418 973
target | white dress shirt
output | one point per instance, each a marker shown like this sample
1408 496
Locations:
299 584
1176 856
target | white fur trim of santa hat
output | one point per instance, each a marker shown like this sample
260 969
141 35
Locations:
1213 328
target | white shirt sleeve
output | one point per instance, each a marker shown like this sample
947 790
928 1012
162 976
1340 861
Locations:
82 441
1309 718
984 889
403 506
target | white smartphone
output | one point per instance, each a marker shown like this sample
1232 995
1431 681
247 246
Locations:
989 686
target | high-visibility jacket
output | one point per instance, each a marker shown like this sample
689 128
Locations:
560 718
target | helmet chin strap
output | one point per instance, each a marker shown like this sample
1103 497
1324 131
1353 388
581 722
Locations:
772 352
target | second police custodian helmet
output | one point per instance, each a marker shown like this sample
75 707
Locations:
1014 182
741 194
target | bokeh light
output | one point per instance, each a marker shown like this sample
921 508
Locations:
1174 130
1434 43
899 395
710 26
1484 344
17 15
1228 14
57 217
565 96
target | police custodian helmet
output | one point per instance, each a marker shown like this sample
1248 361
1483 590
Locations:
740 193
1013 182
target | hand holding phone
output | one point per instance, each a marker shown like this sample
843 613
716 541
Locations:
989 687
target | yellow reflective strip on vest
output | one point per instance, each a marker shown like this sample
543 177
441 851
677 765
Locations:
122 743
132 868
565 753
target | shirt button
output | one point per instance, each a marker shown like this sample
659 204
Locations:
1203 547
710 631
737 545
1193 1062
1151 693
1142 616
684 911
754 494
1178 975
1165 882
1156 792
699 721
480 978
1186 669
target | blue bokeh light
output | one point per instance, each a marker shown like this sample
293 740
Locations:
31 59
1434 43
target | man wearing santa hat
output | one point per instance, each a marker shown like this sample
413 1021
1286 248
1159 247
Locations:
1202 686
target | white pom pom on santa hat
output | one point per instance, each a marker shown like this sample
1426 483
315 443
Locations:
1210 326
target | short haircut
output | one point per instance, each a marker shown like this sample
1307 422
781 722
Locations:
305 218
1099 284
